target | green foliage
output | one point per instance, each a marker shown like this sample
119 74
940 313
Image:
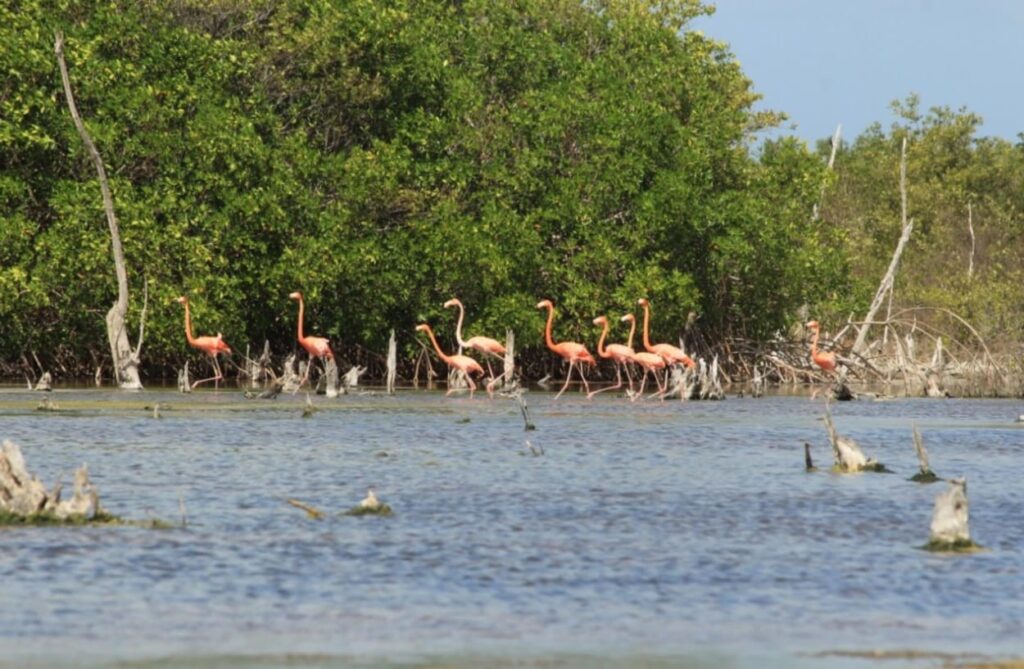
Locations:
382 157
949 168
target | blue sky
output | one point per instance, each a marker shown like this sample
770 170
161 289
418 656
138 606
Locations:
829 61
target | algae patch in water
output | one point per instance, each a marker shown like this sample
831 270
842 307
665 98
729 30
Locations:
382 510
100 518
958 546
925 477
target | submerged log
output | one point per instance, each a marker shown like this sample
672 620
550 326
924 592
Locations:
949 528
24 498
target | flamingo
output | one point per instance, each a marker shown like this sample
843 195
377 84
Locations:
212 346
672 354
317 347
621 354
651 363
463 363
486 345
575 354
826 360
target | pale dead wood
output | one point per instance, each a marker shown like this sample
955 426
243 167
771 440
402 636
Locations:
392 364
887 281
125 360
22 494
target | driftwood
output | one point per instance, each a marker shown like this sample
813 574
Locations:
849 457
184 382
925 475
125 359
351 378
45 383
330 379
290 379
24 497
949 527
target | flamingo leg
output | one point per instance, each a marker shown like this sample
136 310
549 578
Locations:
571 365
472 385
662 387
586 387
643 384
618 382
629 375
216 370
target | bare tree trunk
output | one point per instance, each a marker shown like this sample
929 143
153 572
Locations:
970 228
125 360
831 162
392 364
890 275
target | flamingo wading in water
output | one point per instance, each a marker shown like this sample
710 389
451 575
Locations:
651 363
672 354
317 347
486 345
621 354
463 363
826 360
575 354
212 346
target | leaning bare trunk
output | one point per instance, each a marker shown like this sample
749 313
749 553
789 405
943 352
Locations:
126 360
890 276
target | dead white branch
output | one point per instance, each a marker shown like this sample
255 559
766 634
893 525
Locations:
125 360
887 281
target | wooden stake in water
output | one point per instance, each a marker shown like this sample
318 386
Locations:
392 364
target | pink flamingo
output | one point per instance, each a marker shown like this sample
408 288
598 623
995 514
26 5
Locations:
486 345
826 360
672 354
575 354
211 346
463 363
651 363
317 347
621 354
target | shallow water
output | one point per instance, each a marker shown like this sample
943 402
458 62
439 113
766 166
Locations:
649 534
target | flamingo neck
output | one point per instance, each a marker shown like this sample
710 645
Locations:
458 326
441 354
814 342
601 351
188 326
547 329
632 331
647 315
302 312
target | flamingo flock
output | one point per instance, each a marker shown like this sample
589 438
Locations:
654 361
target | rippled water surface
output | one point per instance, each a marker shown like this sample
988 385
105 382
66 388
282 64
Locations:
649 534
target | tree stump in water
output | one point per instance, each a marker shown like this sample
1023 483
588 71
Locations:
45 382
949 530
351 378
23 497
849 458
